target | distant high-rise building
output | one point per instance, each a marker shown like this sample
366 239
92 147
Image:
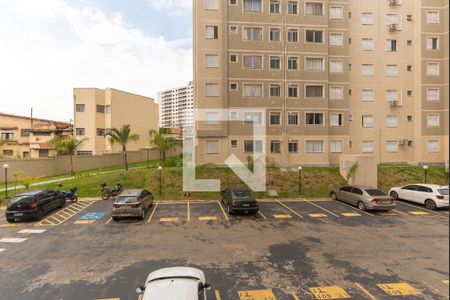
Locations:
176 107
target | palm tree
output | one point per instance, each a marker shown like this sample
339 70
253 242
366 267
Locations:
162 142
67 147
122 136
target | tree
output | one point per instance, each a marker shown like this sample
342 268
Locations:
162 142
122 136
67 147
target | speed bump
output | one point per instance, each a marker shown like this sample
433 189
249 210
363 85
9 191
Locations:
399 289
329 292
257 295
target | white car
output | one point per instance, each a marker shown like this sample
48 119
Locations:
180 283
432 195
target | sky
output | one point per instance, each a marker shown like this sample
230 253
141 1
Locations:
48 47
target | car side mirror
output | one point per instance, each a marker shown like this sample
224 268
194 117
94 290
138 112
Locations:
140 290
207 287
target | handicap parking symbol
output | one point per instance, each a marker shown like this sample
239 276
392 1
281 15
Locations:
92 216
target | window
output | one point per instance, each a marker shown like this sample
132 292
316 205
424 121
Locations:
252 118
391 19
314 119
314 9
409 68
253 34
292 35
275 118
252 62
391 70
432 69
367 44
292 7
433 94
432 43
409 93
336 93
211 32
7 136
274 6
336 13
392 95
253 146
233 29
367 121
212 117
336 147
293 63
25 132
233 86
275 147
391 146
293 146
234 115
233 58
391 121
26 154
314 64
80 131
409 43
314 91
80 107
391 45
432 120
84 153
314 36
433 146
292 118
8 152
336 120
367 146
275 62
314 146
253 5
336 66
43 153
367 70
275 34
212 147
100 132
100 109
275 90
293 91
367 18
211 90
336 39
212 4
253 90
233 143
432 17
233 2
212 60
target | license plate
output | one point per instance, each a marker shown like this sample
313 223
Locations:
18 215
245 205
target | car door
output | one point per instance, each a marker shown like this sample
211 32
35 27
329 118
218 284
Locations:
344 194
407 192
44 202
423 193
54 199
356 195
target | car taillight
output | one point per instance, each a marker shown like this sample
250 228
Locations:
234 204
34 205
116 206
391 200
134 205
376 200
440 197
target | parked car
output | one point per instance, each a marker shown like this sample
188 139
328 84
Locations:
33 205
132 203
179 283
364 197
239 200
432 195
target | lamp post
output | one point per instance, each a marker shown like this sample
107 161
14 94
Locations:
6 167
425 171
160 179
300 180
148 156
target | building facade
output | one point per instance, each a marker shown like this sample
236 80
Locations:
176 107
349 77
97 110
27 137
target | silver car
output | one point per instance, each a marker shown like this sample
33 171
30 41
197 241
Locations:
132 203
364 197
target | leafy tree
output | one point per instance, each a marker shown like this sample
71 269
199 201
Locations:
162 142
27 181
67 147
122 136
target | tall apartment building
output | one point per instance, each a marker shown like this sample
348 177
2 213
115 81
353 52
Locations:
97 110
335 77
176 107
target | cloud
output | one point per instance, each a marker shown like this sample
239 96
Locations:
50 47
172 7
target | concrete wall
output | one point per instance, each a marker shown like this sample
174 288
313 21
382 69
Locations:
366 172
60 165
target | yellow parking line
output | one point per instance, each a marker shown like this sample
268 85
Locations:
217 295
354 208
329 292
446 282
72 210
262 215
351 214
293 211
400 212
295 296
223 211
333 214
418 213
282 216
207 218
372 297
84 222
168 219
318 215
188 212
153 212
140 297
435 290
420 208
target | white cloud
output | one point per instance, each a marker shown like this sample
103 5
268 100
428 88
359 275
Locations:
172 7
49 47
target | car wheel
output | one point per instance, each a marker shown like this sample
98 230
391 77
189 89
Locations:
10 220
334 196
362 206
63 203
115 219
394 195
143 214
39 215
430 204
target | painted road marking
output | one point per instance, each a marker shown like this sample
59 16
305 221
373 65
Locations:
435 290
320 207
217 295
418 213
92 216
107 299
153 212
329 292
58 217
1 250
207 218
446 282
109 220
318 215
262 215
256 295
399 289
295 296
84 222
32 231
188 212
400 212
388 213
351 215
420 208
372 297
11 225
223 211
357 209
13 240
168 220
282 216
290 209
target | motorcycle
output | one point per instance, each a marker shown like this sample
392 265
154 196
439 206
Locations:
69 195
110 192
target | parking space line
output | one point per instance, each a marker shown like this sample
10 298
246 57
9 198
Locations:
293 211
256 295
418 207
324 209
354 208
295 296
188 212
282 216
419 213
400 212
399 289
153 212
32 231
262 215
351 214
167 220
13 240
435 290
446 282
109 220
223 211
372 297
318 215
329 292
207 218
1 250
217 293
84 222
2 219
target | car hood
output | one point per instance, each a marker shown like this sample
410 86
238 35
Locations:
177 272
172 289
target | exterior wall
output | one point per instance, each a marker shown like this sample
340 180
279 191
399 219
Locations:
176 107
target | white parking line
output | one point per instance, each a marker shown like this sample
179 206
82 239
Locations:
418 207
354 208
12 240
32 231
1 250
333 214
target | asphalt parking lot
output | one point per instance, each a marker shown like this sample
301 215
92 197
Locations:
293 249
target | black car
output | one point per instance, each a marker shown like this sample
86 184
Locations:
239 200
33 205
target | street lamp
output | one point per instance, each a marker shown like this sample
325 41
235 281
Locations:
6 167
148 156
160 179
300 180
425 171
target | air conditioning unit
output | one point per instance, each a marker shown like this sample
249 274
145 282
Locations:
410 143
394 103
409 18
393 27
403 142
394 2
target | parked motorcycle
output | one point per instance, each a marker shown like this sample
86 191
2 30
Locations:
69 195
111 192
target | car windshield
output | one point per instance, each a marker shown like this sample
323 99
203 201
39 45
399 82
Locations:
20 199
127 199
375 192
241 193
443 192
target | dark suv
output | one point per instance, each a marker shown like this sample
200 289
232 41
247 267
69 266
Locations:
33 205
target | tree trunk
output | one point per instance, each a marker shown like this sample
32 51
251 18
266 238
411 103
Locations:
125 159
164 155
72 172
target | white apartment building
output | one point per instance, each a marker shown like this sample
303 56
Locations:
176 107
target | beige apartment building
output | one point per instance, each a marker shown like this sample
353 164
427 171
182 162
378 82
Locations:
28 137
335 77
97 110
